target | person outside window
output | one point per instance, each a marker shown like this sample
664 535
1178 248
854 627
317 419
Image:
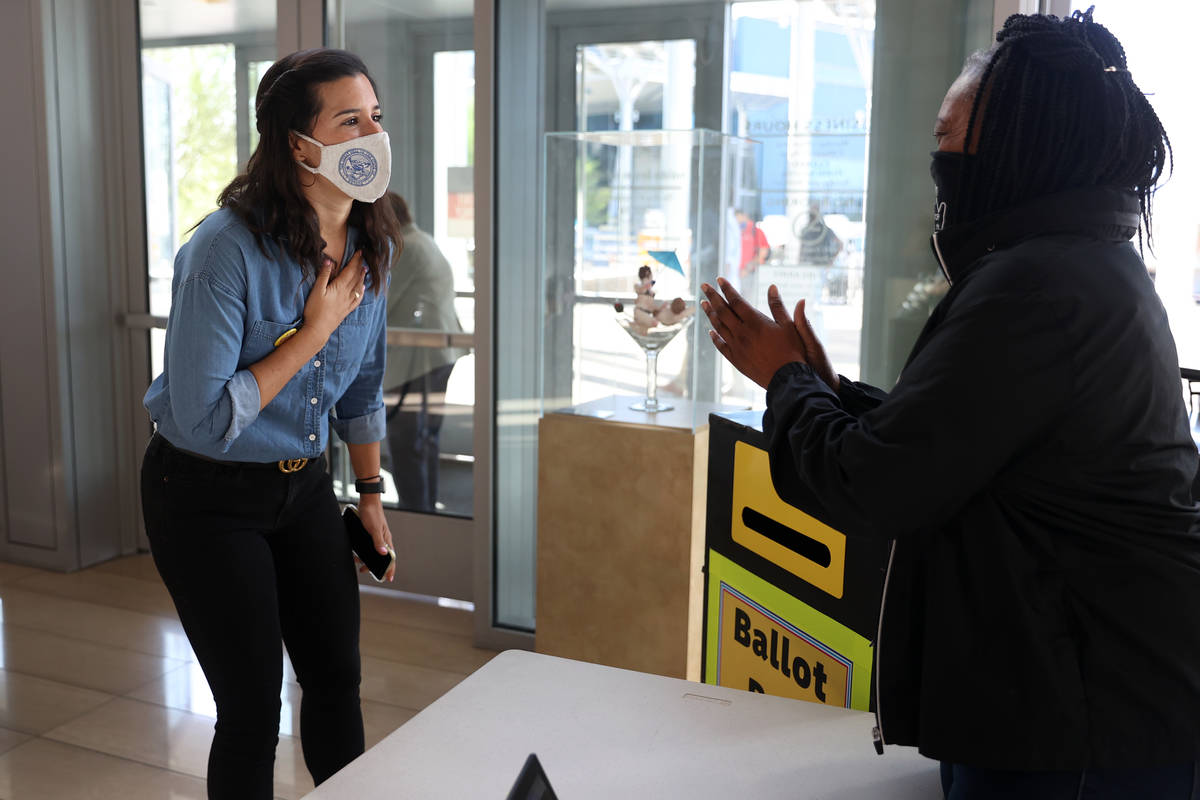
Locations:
819 245
755 250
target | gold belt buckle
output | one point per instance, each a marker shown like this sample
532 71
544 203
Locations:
291 465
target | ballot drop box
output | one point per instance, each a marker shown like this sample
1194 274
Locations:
791 604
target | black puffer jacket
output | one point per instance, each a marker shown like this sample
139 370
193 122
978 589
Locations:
1034 466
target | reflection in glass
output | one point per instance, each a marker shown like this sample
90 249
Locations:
800 82
420 57
427 461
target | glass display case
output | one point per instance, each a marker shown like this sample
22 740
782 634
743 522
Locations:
634 223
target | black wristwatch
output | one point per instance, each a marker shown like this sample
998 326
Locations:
373 485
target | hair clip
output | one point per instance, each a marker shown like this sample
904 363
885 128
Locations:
1116 69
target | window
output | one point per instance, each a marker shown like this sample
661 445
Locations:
200 69
1152 49
425 70
800 83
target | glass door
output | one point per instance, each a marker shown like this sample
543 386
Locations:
201 65
421 56
649 67
800 81
794 75
200 69
625 86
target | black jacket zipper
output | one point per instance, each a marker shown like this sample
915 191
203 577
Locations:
877 731
937 252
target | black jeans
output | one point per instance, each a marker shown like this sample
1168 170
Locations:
1180 782
252 556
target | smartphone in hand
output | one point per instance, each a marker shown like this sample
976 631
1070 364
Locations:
363 545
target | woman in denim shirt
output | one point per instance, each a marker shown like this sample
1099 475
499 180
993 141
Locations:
277 324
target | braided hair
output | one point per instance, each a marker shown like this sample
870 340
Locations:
1057 109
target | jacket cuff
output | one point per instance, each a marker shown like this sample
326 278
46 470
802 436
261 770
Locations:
784 373
244 401
791 386
366 429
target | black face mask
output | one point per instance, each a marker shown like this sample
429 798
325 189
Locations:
948 171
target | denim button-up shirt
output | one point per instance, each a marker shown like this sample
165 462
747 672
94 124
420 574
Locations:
230 304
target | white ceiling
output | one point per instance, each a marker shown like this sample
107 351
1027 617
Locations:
174 19
177 19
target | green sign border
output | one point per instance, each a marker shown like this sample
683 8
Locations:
817 625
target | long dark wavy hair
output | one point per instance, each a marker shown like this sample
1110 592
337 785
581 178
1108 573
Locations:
1057 109
268 196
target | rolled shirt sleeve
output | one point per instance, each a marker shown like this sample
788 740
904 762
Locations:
359 414
235 298
244 400
211 398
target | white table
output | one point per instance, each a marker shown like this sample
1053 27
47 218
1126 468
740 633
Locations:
605 733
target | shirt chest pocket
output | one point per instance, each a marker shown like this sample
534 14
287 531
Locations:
352 335
264 337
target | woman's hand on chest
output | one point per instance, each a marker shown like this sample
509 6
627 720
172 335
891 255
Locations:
331 299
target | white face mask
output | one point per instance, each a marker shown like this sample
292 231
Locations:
359 167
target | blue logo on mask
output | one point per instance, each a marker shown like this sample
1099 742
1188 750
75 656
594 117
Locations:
358 167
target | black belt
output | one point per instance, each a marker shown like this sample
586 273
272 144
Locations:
286 465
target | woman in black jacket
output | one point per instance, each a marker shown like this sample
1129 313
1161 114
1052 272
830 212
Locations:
1033 466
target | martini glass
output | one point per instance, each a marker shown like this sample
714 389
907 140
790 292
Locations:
652 340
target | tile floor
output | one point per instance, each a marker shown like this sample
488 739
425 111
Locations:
100 695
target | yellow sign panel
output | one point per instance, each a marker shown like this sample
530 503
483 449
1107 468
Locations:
761 639
802 545
762 653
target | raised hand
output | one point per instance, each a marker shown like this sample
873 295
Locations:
814 352
331 300
755 344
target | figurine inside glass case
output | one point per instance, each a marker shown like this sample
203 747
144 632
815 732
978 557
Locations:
649 312
653 324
